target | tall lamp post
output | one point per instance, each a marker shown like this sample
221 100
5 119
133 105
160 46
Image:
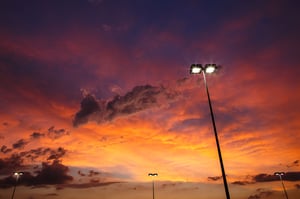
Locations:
210 68
280 174
17 176
152 175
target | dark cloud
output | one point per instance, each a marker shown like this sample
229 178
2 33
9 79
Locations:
241 182
261 193
10 164
91 173
264 178
35 153
214 178
56 133
50 174
88 106
4 149
56 173
15 161
139 99
36 135
20 144
51 154
51 133
57 154
289 176
11 180
292 176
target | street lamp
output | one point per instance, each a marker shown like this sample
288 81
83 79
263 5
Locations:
152 175
211 68
280 174
17 175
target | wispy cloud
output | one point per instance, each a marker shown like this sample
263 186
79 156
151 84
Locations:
52 133
85 185
214 178
294 164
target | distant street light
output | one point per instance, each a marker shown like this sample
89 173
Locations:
280 174
17 175
152 175
210 68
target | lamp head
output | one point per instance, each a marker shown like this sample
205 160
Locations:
279 173
210 68
152 174
196 69
18 173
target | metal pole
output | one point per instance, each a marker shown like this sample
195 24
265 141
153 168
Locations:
152 175
217 140
283 187
13 193
153 188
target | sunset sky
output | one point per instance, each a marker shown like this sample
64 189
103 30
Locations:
96 94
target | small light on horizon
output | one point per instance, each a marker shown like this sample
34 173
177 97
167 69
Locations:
152 174
279 173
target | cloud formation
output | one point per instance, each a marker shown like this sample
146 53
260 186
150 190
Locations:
264 178
214 178
56 133
85 185
4 149
51 133
36 135
8 165
261 193
242 182
50 174
56 173
293 164
138 99
20 144
15 161
288 176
